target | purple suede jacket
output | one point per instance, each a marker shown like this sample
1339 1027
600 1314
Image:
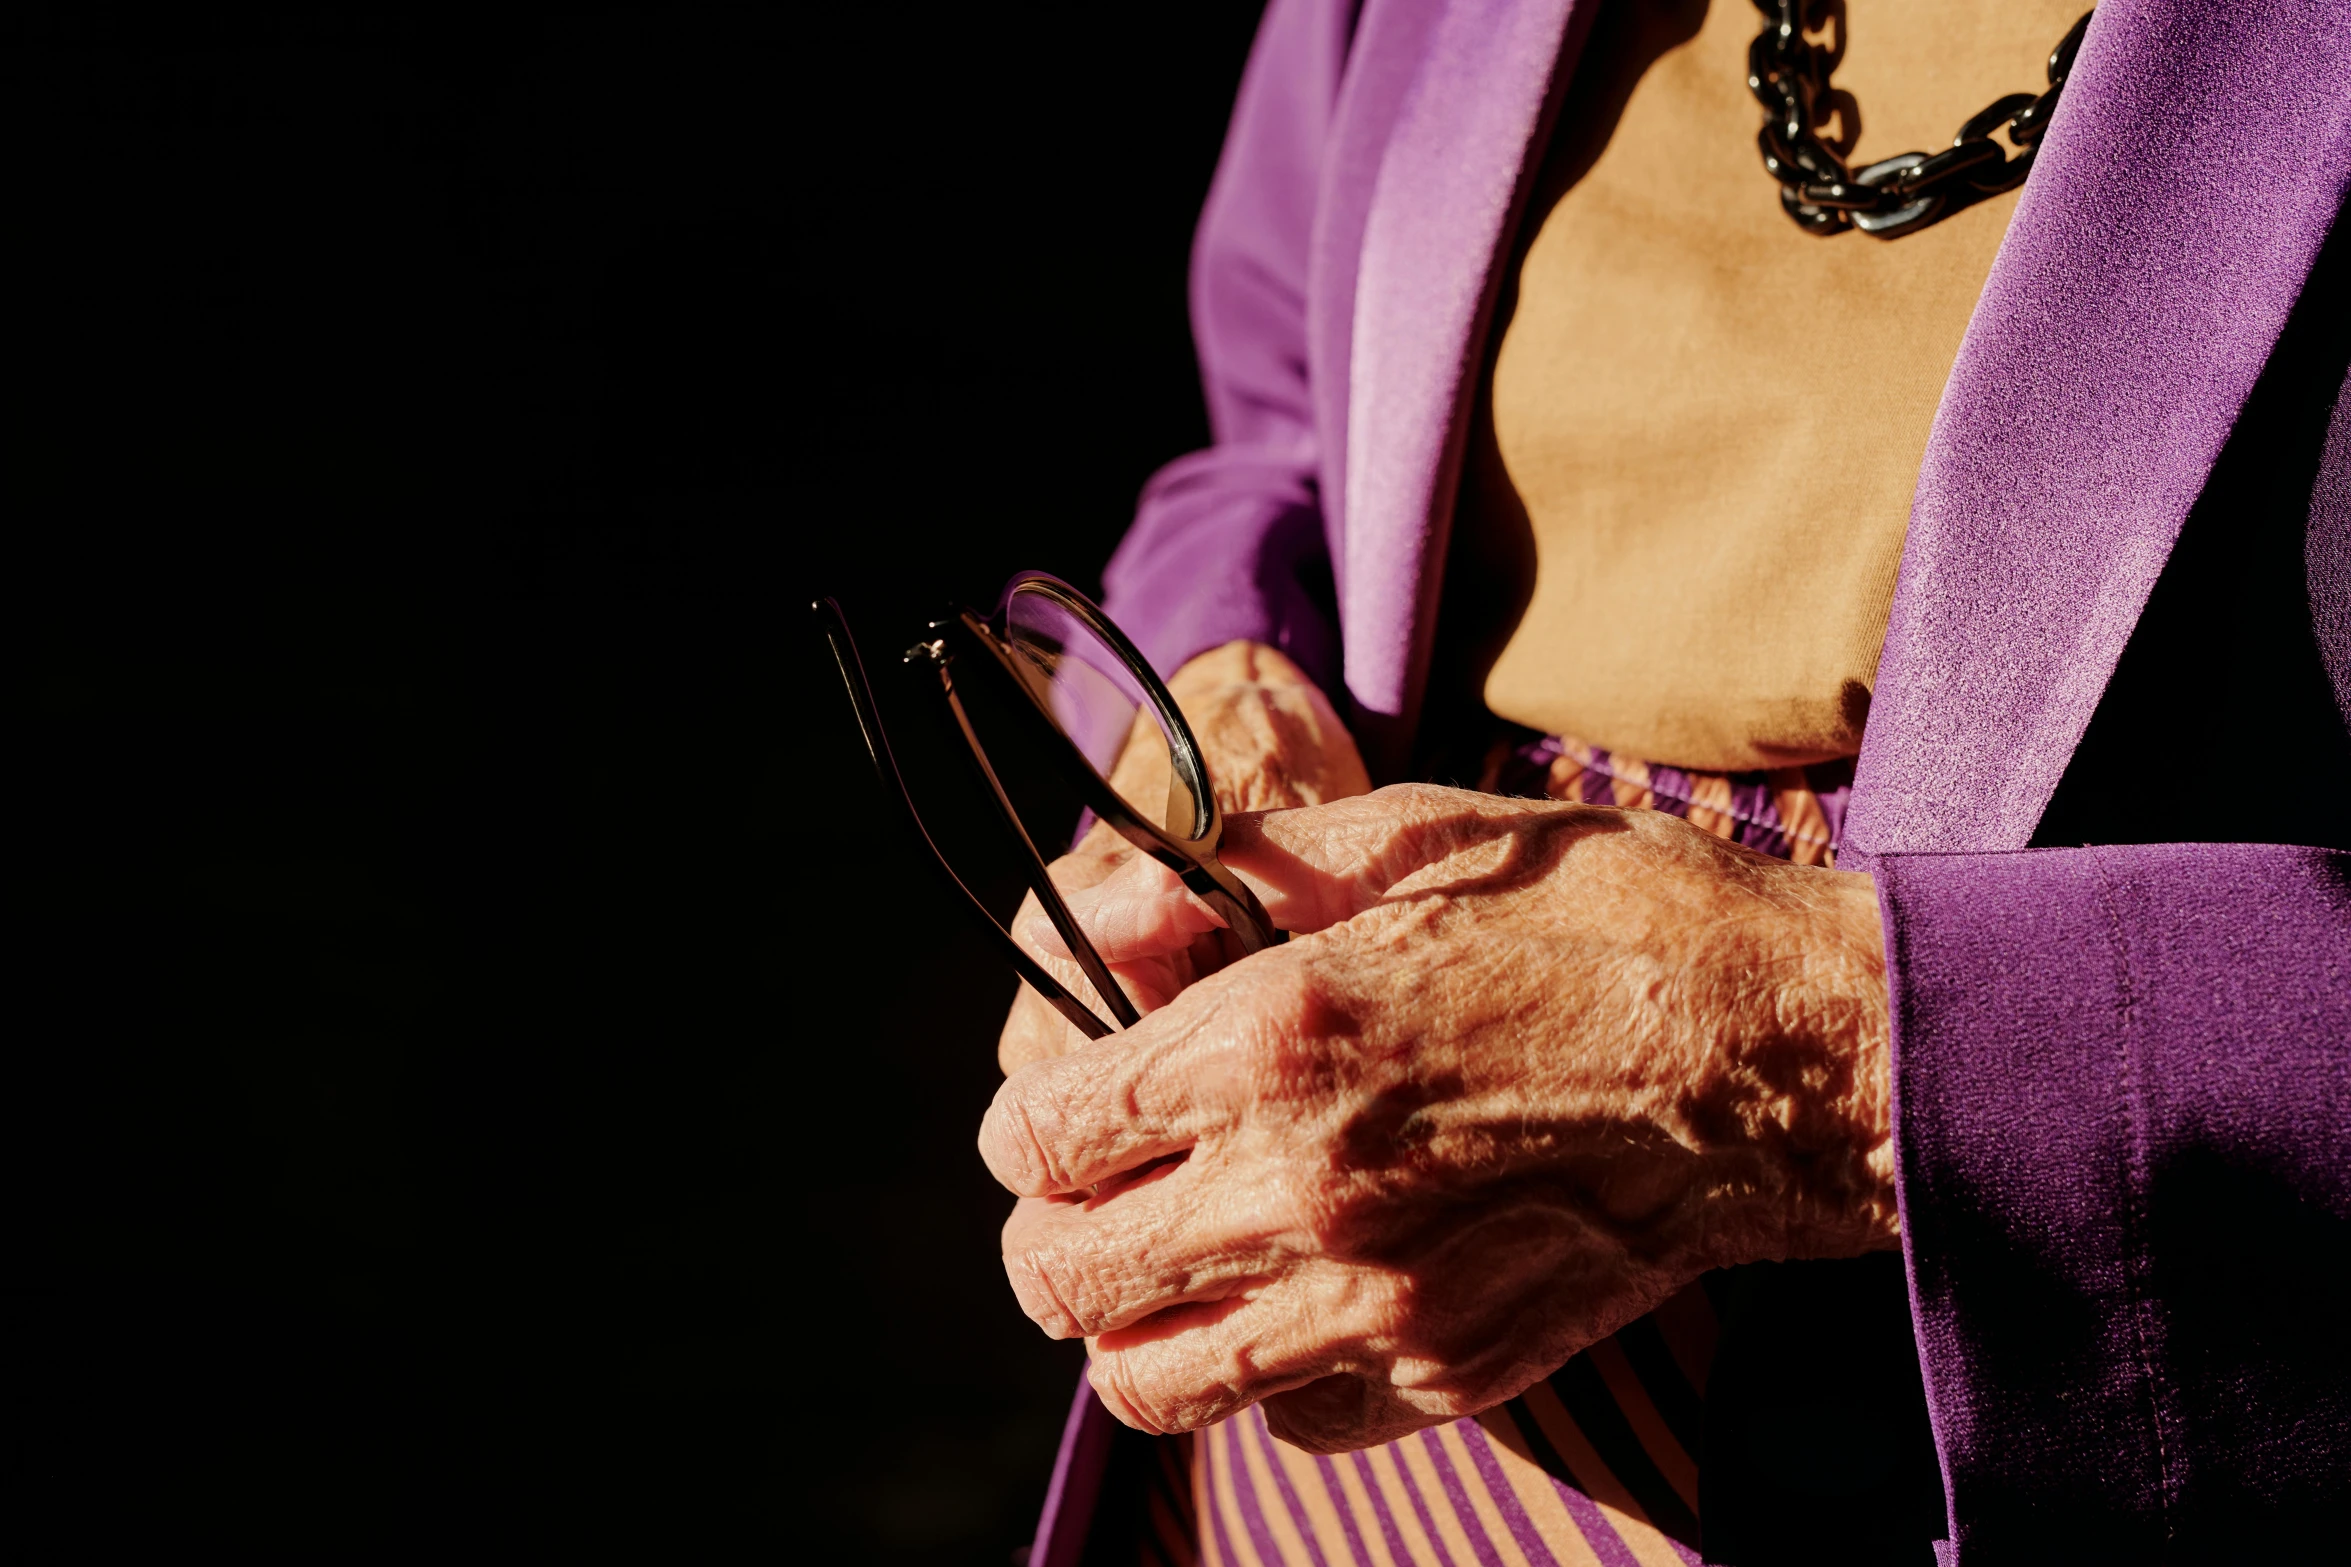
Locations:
2123 1075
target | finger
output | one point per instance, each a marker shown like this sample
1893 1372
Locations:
1034 1029
1177 1232
1140 911
1321 865
1061 1125
1095 857
1309 1347
1348 1411
1300 863
1192 1365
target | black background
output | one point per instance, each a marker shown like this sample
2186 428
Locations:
486 1073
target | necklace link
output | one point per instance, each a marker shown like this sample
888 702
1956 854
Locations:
1789 76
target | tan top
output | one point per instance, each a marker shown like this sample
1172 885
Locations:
1709 421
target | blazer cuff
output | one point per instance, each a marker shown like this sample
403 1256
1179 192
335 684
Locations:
2123 1122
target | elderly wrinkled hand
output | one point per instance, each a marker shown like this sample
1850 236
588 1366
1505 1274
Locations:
1527 1069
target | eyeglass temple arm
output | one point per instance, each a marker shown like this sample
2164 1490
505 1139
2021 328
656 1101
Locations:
885 766
1040 879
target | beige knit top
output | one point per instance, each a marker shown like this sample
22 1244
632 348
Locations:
1704 424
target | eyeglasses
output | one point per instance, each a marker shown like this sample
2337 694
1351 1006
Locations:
1057 677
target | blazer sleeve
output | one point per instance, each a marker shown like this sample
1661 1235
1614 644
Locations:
2123 1118
1229 542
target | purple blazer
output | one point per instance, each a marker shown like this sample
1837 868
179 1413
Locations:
2104 1057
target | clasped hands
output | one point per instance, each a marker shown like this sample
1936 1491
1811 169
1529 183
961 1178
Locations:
1524 1070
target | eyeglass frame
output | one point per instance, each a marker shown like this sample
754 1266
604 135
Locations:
956 639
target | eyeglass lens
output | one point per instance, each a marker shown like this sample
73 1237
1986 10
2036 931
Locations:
1099 703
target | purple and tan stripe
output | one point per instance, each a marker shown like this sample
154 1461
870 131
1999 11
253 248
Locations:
1506 1521
1363 1494
1598 1498
1323 1517
1538 1494
1679 1468
1468 1492
1285 1518
1221 1502
1408 1508
1458 1528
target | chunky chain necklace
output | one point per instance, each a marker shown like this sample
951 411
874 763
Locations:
1893 196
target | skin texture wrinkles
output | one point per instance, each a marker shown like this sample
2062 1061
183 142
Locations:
1525 1070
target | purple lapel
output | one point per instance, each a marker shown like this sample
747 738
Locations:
1435 213
1386 54
2192 171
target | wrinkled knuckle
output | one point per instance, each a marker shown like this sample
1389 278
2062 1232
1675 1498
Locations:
1118 1383
1041 1283
1288 998
1298 1429
1305 1201
1411 803
1013 1145
1331 1414
1286 1049
1168 1395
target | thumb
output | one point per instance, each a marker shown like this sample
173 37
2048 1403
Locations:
1313 866
1139 911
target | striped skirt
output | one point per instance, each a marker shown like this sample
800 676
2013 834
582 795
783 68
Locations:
1596 1464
